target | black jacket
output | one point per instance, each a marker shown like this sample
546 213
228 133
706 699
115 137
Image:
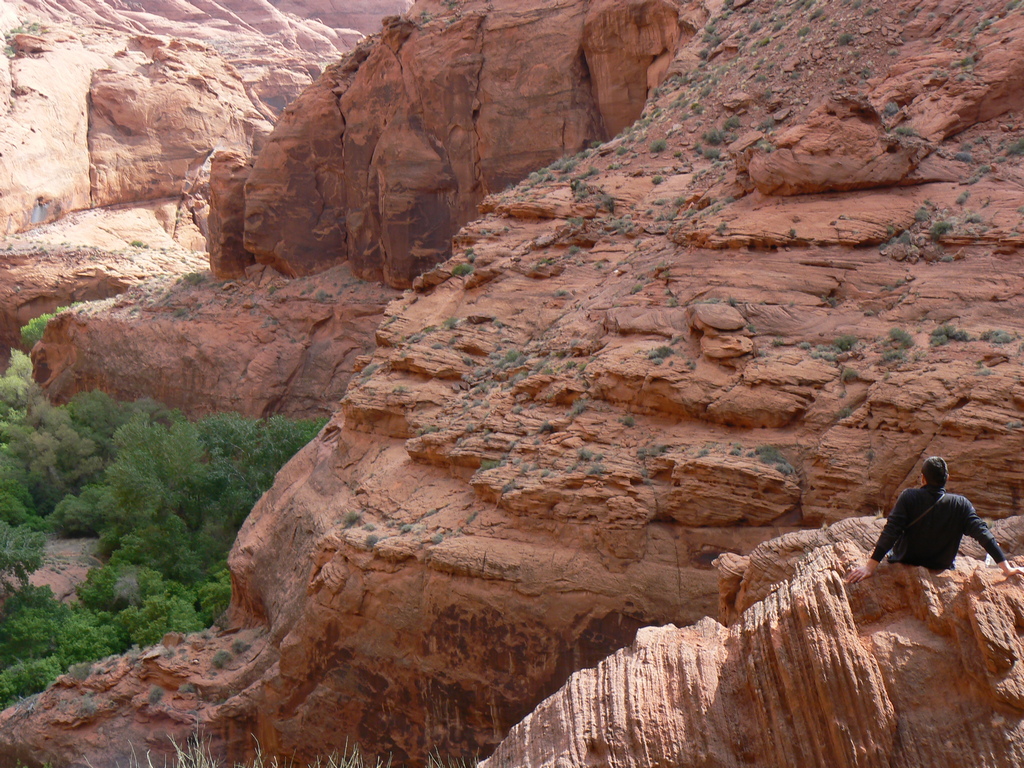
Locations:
933 541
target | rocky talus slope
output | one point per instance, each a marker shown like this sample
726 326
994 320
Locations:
756 308
909 668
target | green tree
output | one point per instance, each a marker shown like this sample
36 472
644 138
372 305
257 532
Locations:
24 678
17 507
16 386
21 552
32 332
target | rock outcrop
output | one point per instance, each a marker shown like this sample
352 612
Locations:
40 273
260 346
133 120
624 374
389 153
908 668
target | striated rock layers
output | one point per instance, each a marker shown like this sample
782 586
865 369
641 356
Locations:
133 101
309 25
260 346
37 280
909 668
277 49
132 119
626 373
389 153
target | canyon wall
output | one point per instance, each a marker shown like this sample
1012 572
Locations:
133 119
260 346
118 109
133 101
386 155
757 309
389 153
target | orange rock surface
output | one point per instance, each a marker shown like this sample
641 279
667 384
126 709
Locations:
38 274
133 100
259 346
388 154
624 374
132 118
908 668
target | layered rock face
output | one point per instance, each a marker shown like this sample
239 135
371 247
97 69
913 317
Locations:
133 101
133 119
310 25
104 108
41 272
390 152
624 374
908 668
261 346
277 49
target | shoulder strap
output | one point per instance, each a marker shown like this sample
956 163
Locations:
933 506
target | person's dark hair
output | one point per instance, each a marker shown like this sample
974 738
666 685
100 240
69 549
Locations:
935 471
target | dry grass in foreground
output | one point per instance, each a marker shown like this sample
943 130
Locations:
197 755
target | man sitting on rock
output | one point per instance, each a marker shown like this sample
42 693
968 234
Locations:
926 525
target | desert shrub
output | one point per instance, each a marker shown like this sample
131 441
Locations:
459 270
940 228
946 333
997 337
770 454
893 355
221 658
901 338
846 342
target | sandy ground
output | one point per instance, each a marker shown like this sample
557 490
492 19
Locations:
65 565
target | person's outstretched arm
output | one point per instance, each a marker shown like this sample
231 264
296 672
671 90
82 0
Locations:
894 526
976 528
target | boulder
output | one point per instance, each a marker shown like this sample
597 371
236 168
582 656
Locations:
838 148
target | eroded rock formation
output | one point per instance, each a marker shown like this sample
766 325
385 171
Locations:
133 101
908 668
389 153
133 120
624 374
259 346
38 274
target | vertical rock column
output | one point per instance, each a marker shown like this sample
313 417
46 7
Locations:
228 174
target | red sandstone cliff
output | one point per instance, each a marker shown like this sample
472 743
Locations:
133 100
626 373
389 153
108 107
